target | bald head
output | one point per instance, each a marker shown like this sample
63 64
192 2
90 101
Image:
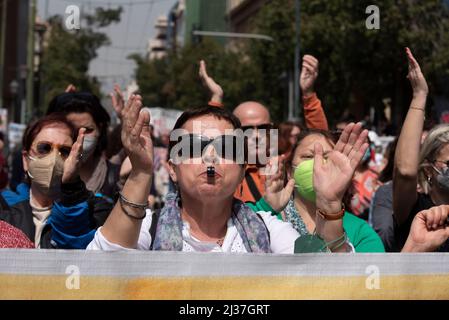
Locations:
252 114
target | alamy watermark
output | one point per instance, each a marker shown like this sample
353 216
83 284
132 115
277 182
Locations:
372 282
373 20
72 18
72 281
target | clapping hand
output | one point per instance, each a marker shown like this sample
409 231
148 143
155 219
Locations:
136 136
276 194
73 163
118 102
332 176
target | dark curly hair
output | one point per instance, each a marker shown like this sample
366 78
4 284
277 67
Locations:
80 102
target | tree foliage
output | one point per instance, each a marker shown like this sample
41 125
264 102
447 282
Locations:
68 54
359 67
173 82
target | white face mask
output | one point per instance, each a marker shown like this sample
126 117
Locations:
46 173
89 145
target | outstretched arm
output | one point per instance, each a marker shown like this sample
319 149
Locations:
406 161
214 88
123 225
313 110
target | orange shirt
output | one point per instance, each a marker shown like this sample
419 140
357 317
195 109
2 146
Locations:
314 114
314 117
243 191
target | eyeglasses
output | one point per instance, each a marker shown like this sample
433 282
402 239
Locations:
229 147
265 126
44 148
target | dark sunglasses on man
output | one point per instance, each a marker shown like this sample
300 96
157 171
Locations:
265 126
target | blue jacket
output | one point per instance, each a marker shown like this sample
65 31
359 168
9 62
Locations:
73 219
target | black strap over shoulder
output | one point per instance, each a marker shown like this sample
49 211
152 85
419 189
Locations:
153 226
252 187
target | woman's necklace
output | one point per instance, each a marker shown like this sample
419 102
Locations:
218 241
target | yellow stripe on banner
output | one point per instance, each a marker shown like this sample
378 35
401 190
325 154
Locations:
192 288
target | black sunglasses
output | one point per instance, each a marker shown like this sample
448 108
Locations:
265 126
229 147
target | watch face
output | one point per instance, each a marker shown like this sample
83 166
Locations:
310 243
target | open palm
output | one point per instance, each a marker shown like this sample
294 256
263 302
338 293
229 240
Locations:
415 76
332 176
136 136
276 194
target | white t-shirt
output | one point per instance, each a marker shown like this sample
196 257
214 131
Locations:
282 238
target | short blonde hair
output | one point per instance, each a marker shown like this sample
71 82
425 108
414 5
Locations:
437 138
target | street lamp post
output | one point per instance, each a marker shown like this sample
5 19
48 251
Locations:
23 72
295 112
14 90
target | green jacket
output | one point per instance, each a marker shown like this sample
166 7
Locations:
360 234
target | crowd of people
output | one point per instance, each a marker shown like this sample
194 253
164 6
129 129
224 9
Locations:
235 181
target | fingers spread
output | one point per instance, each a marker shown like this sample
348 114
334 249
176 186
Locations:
358 155
353 136
362 138
344 138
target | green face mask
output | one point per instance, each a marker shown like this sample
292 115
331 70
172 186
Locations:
303 176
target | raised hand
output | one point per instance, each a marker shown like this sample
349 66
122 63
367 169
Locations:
429 230
136 136
332 176
309 74
276 195
70 88
118 102
73 163
214 88
415 76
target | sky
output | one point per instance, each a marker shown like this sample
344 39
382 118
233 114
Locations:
130 35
